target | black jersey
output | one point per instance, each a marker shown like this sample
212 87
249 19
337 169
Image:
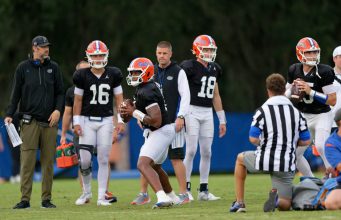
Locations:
70 96
324 77
201 81
147 94
98 92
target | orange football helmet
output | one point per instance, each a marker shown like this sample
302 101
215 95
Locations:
97 47
204 48
308 44
144 67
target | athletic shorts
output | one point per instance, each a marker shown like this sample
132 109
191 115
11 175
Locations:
282 181
157 142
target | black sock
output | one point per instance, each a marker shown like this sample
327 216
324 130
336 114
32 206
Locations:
188 186
203 187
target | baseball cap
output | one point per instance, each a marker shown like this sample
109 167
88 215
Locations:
337 51
40 41
337 116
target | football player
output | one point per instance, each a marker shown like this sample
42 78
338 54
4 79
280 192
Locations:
66 125
95 88
316 80
170 77
337 81
150 111
202 74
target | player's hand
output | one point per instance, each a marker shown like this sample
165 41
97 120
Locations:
303 86
8 120
54 118
62 139
120 128
179 124
77 130
222 130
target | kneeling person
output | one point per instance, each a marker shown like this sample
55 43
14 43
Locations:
277 129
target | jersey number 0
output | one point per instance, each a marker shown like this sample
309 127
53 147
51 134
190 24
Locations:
207 87
103 94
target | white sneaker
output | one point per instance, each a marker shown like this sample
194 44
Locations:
207 196
103 203
190 196
176 200
84 198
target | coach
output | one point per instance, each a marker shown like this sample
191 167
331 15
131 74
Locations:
38 87
277 128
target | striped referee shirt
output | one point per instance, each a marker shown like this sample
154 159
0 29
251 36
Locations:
279 126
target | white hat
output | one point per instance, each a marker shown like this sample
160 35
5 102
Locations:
337 51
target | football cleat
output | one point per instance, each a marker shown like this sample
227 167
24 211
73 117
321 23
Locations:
184 199
103 202
207 196
161 205
190 196
237 207
84 198
141 199
271 204
110 197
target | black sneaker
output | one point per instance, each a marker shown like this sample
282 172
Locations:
22 205
271 204
47 204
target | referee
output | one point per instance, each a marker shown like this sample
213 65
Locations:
276 130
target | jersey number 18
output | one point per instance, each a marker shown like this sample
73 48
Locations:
207 87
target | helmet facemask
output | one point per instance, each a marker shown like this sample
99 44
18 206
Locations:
97 64
207 53
311 61
135 80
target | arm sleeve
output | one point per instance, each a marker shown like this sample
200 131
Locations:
59 91
183 89
304 133
16 92
291 72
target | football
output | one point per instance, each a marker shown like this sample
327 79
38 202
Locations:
296 95
127 103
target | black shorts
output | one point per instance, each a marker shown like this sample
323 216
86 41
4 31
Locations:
176 153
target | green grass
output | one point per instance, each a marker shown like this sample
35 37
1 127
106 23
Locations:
65 192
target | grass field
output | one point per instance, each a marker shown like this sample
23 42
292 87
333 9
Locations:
65 192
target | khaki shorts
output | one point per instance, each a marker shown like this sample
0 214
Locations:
282 181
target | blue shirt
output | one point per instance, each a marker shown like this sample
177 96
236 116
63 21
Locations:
332 149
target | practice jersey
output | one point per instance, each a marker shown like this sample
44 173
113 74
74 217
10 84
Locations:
98 92
201 81
147 94
325 77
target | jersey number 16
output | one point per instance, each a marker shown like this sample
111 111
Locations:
103 94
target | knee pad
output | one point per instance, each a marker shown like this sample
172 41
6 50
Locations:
85 171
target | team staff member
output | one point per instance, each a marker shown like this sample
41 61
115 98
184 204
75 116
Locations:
170 77
38 86
276 130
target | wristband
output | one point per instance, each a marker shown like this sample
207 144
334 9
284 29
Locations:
318 96
76 119
138 115
221 116
119 118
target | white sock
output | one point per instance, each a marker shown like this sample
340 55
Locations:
87 183
161 196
